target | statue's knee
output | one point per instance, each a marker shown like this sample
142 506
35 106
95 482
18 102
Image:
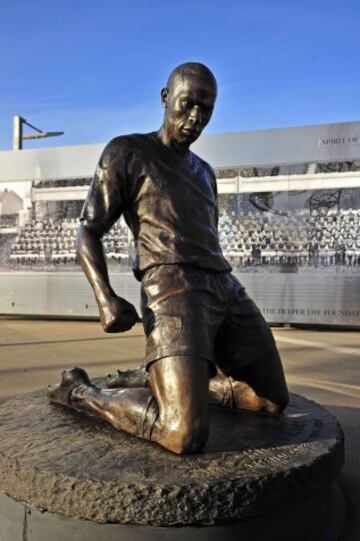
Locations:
188 438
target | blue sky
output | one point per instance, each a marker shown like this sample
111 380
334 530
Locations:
95 68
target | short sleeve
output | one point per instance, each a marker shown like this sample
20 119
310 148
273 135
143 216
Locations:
107 197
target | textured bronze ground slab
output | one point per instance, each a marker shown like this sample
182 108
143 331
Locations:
69 463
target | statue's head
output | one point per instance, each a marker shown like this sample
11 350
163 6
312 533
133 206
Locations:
189 98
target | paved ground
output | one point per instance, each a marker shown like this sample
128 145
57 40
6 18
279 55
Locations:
324 366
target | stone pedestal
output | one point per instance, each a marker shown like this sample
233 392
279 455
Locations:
65 475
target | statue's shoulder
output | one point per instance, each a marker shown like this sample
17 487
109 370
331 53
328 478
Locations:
130 141
121 146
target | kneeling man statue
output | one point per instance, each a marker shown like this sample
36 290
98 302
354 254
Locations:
206 340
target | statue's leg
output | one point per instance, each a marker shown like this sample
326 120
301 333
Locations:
125 409
224 391
181 387
246 353
229 392
173 412
266 378
259 386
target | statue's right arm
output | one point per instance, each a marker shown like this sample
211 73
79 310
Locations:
116 314
102 208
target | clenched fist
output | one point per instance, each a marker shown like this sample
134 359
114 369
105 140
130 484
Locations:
117 314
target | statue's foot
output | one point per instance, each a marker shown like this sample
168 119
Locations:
137 377
245 398
71 380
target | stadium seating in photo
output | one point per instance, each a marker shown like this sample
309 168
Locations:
299 237
44 242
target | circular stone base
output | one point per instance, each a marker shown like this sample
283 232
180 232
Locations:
254 467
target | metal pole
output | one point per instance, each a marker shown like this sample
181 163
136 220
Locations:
18 135
17 132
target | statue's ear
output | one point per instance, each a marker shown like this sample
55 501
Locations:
164 97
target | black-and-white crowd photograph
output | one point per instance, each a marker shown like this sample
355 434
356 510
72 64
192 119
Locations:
269 231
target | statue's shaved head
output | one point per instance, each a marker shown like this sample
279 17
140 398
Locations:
188 100
191 69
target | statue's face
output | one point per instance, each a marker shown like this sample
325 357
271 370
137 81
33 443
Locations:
189 105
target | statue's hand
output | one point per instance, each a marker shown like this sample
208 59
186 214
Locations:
117 315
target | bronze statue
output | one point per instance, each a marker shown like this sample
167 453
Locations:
206 340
